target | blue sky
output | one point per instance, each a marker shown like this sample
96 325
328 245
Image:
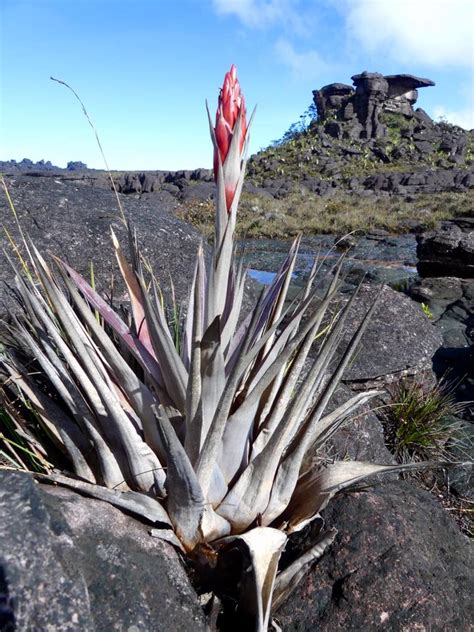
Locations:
145 67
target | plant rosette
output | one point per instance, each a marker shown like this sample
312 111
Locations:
214 444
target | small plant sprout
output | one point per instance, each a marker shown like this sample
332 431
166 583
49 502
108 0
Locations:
209 442
427 311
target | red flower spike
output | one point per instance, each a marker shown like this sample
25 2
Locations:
230 106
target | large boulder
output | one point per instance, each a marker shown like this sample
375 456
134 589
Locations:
451 303
332 100
399 563
448 250
400 340
403 92
70 563
371 92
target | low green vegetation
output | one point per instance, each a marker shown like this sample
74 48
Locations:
311 214
397 124
427 311
419 422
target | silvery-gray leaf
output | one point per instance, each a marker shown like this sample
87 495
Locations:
169 536
134 502
264 546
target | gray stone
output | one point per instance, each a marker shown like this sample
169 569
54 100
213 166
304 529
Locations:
400 340
448 250
437 293
73 221
332 99
399 563
362 437
371 92
74 563
199 191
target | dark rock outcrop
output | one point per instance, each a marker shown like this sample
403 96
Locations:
74 563
448 250
399 563
12 166
363 105
420 181
371 92
368 138
403 93
400 340
76 165
451 302
332 100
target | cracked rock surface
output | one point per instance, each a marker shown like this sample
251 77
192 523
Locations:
399 564
70 563
400 340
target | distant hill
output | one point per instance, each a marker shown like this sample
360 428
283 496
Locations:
351 133
360 139
27 165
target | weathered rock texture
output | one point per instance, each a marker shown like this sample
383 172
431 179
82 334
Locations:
448 250
72 221
399 564
363 105
400 340
446 265
361 438
368 138
451 303
68 563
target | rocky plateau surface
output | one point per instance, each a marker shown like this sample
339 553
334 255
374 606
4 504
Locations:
399 562
403 564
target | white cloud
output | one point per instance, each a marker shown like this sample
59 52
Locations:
463 118
261 13
436 32
305 65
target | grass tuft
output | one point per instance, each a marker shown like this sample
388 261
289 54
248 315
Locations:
419 422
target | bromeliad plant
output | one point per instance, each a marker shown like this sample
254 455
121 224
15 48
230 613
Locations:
216 444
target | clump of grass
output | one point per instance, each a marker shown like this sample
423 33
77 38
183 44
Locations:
18 447
419 422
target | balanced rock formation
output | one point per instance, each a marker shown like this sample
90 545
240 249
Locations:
363 104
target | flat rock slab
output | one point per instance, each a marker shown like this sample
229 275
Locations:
399 563
361 438
72 563
399 340
72 220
